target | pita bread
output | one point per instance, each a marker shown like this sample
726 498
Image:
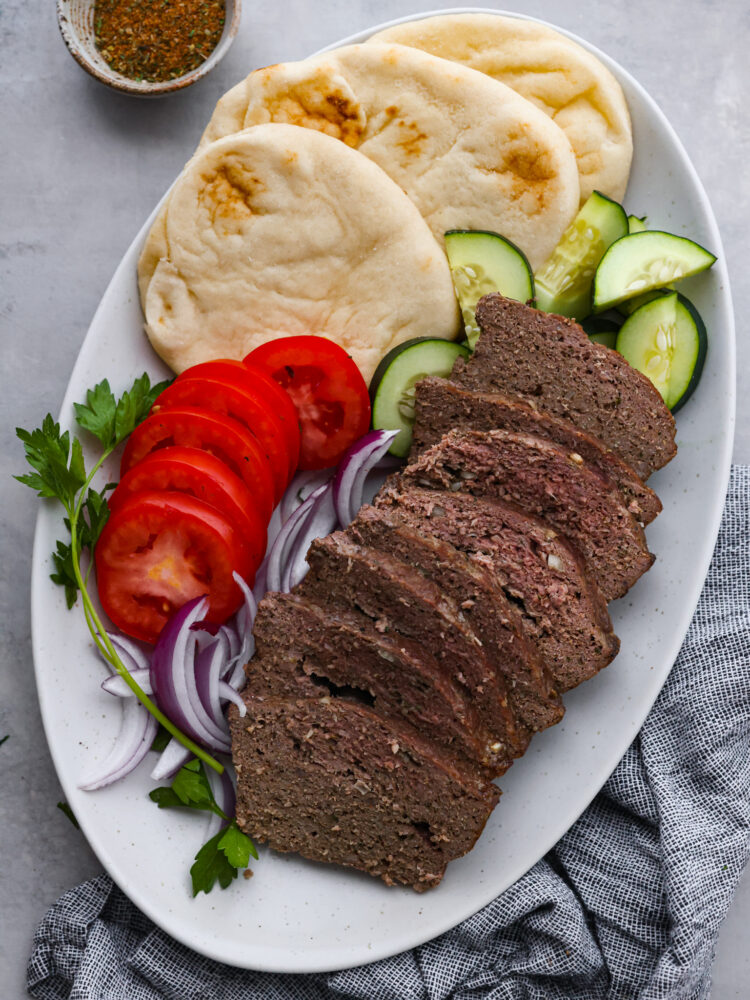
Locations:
469 152
559 76
280 230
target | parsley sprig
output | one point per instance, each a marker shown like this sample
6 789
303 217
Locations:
227 851
59 473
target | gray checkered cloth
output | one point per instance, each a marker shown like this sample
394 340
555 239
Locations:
626 906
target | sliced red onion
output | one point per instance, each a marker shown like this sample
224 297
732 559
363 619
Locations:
276 560
173 677
131 654
236 677
209 666
116 684
348 486
228 693
244 621
171 759
137 732
320 522
222 787
300 488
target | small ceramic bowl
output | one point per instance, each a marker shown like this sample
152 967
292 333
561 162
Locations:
76 21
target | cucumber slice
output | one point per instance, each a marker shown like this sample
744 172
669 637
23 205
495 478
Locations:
629 306
666 340
642 261
602 330
636 224
392 387
483 262
563 284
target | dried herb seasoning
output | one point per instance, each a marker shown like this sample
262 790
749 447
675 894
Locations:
157 40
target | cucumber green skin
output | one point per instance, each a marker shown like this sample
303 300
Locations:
383 385
600 303
511 276
629 306
701 352
636 224
579 306
602 330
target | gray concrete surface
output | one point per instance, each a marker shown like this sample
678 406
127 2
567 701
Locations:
81 167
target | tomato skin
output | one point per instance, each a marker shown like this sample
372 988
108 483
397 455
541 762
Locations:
205 477
231 400
221 436
261 385
159 550
326 387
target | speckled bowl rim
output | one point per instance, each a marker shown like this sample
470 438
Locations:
144 88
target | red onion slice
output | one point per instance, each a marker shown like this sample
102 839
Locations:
320 521
348 486
171 759
276 560
300 488
228 693
209 666
116 684
132 655
137 731
173 677
244 621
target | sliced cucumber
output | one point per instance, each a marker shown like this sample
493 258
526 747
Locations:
483 262
563 284
636 224
666 340
629 306
642 261
602 330
392 388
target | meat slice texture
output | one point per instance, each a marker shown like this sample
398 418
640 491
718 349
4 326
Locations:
550 362
441 406
333 781
550 482
399 599
561 609
484 605
303 650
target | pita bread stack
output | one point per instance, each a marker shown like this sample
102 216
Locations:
279 230
320 192
556 74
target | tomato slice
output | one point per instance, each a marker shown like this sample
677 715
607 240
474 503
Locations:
205 477
159 550
260 384
221 436
230 399
327 389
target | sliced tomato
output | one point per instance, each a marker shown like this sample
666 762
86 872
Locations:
260 384
231 399
159 550
205 477
214 433
327 388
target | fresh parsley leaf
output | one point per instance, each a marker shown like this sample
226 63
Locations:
65 808
97 414
60 471
190 789
210 866
237 846
166 798
134 405
191 785
161 740
219 859
97 513
64 574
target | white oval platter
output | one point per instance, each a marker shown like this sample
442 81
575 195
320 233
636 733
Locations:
296 916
